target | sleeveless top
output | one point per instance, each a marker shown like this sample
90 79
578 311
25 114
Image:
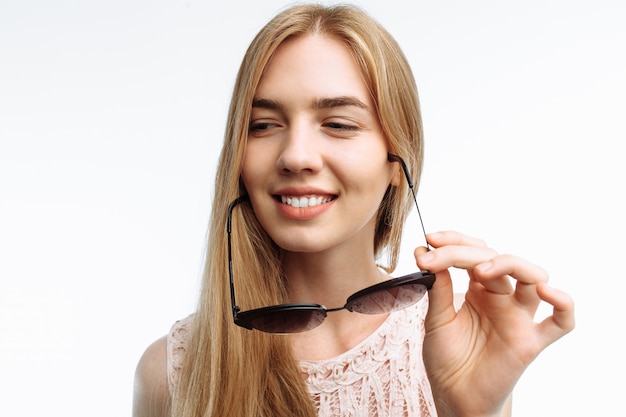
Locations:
383 376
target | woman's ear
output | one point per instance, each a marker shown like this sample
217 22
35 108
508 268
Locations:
398 175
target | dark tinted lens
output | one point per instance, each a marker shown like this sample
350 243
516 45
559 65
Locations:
385 300
285 319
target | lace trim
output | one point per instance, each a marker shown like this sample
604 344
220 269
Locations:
176 349
382 376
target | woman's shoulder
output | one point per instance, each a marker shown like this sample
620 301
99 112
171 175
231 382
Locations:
157 370
150 388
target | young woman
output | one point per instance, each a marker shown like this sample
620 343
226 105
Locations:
315 181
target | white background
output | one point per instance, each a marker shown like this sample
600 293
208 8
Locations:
111 119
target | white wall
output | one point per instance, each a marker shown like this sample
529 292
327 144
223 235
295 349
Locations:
111 117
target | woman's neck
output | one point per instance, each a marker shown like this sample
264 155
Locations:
329 277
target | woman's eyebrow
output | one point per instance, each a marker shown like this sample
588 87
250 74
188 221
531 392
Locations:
342 101
266 103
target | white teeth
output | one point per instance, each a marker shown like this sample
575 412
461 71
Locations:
303 202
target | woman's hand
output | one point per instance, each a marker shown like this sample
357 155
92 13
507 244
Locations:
475 356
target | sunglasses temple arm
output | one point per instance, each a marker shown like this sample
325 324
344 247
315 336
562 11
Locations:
230 257
407 174
420 217
232 290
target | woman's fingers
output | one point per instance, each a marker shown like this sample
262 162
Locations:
562 319
460 251
447 238
518 268
505 274
457 256
493 273
484 265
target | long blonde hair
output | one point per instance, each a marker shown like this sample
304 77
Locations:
230 371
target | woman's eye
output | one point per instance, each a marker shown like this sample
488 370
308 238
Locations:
342 126
260 127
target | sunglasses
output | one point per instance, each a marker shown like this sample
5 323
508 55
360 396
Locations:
384 297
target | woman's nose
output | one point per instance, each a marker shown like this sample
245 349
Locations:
300 152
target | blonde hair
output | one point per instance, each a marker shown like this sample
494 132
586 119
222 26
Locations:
232 371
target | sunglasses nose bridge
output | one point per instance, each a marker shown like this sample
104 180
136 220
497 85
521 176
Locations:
345 307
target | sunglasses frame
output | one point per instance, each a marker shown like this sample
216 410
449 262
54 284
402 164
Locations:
246 318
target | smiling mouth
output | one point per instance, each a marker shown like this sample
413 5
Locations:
303 202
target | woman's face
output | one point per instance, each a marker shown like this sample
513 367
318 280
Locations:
316 164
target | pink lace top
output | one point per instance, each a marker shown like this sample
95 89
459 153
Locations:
383 375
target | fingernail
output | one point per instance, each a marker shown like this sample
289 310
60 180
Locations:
484 267
427 257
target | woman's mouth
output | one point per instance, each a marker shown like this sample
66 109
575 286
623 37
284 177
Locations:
305 201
